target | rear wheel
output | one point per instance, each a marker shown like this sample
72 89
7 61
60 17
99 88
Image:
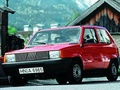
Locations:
112 72
75 75
17 81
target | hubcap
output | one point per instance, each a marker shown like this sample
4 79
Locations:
76 72
114 70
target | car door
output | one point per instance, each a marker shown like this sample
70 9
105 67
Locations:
106 45
91 50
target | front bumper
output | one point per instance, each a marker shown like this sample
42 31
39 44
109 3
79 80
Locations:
51 67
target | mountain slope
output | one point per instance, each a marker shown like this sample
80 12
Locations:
31 12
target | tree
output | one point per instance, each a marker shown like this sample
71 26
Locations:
74 16
12 30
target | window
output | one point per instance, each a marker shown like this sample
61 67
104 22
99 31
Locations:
103 36
40 38
90 36
56 36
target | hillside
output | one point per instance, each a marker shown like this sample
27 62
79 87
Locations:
31 12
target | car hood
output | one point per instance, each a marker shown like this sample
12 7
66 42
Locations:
50 47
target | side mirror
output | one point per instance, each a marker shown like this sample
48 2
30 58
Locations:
82 45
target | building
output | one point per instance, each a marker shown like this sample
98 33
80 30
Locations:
103 13
3 34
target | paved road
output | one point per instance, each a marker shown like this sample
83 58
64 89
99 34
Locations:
87 84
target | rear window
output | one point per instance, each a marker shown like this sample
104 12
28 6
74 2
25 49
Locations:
103 36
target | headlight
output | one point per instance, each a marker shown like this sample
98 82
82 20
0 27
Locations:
54 54
10 58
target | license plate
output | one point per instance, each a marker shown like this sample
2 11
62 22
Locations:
31 70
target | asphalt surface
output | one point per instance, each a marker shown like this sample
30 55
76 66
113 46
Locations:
87 84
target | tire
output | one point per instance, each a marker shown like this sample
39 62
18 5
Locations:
17 81
61 79
75 75
112 72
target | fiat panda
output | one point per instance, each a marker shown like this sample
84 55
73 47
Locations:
67 54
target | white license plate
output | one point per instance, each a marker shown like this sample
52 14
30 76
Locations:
31 70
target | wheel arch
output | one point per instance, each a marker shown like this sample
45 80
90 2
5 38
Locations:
77 58
116 61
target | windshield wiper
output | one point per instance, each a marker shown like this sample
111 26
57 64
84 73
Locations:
73 42
29 46
40 42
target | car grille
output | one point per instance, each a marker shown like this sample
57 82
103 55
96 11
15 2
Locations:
32 56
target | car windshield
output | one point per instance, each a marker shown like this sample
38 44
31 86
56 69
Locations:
56 36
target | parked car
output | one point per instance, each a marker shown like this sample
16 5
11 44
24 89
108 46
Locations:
67 54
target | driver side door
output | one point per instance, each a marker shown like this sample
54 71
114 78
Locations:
91 50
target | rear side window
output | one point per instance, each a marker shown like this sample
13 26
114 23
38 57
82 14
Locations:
103 36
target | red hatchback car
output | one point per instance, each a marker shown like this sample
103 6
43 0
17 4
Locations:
67 54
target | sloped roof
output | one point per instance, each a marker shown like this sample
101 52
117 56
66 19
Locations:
113 3
1 10
9 10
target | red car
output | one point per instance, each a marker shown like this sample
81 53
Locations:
67 54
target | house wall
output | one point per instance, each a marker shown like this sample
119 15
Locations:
106 17
117 40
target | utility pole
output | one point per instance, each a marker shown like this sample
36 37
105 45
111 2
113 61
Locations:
7 3
4 31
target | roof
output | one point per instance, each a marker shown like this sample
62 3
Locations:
113 3
9 10
1 10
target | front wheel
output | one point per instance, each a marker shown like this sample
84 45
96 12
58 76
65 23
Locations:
17 81
62 78
112 72
75 75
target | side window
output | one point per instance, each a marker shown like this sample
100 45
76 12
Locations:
90 36
103 36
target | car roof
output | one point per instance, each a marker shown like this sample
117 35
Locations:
81 26
60 28
92 26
